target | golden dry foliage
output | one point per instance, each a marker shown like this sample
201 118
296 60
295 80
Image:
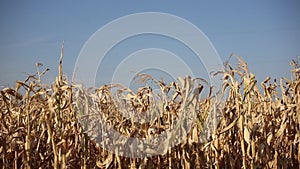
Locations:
259 122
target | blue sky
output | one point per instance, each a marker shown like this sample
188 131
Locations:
265 33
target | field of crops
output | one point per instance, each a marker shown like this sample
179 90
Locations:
259 123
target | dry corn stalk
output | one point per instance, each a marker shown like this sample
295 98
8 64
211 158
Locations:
259 125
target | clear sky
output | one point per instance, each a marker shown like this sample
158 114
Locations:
265 33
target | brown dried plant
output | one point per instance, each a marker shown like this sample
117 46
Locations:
259 122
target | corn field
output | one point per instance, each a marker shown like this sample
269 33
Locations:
258 126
